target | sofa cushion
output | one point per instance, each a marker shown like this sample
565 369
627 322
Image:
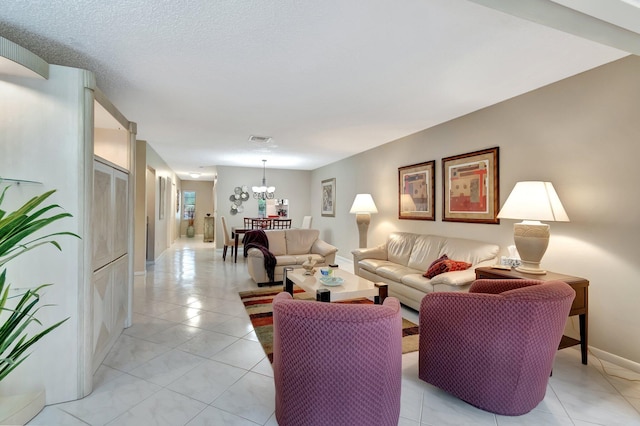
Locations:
426 250
418 282
394 271
399 246
446 265
372 265
277 242
299 241
469 251
286 260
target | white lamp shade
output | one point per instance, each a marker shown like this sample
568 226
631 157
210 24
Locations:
534 200
363 204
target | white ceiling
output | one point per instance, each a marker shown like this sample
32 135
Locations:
325 79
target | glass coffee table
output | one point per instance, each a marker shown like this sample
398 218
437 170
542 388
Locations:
345 286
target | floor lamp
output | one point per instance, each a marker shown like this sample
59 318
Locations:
362 207
532 202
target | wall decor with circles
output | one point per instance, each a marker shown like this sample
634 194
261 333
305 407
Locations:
240 194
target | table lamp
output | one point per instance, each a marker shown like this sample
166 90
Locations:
362 207
532 202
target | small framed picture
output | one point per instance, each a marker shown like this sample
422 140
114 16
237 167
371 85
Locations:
471 187
328 201
416 195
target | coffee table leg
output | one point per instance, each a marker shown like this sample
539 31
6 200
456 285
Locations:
288 284
383 291
323 295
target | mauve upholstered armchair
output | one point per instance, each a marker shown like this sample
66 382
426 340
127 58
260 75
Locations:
494 346
336 364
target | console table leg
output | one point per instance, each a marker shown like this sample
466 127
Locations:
583 337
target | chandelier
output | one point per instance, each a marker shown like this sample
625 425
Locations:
264 192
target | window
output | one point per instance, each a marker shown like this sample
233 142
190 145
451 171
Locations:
189 204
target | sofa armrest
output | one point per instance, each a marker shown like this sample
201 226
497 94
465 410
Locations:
254 252
323 248
377 252
455 278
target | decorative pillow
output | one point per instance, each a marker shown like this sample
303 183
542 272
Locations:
440 259
446 265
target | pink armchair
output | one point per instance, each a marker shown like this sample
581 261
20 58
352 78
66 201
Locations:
494 346
336 364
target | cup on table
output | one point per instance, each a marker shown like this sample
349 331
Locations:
326 272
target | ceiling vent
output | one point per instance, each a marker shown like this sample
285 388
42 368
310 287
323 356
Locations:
259 139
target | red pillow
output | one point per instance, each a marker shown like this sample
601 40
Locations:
446 266
440 259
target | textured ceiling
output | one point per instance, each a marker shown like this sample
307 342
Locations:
325 79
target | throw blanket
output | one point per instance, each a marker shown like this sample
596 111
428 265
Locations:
258 239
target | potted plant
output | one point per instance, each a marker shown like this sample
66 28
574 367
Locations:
18 231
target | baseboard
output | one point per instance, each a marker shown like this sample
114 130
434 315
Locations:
615 359
19 409
345 263
270 283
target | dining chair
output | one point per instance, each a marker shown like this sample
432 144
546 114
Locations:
228 241
247 223
306 222
261 223
281 224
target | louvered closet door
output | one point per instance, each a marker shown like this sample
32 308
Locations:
110 258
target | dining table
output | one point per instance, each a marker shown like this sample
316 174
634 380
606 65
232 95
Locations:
256 223
235 234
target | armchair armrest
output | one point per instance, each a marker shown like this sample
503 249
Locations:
323 248
499 286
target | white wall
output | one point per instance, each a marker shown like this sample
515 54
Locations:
165 228
583 134
41 139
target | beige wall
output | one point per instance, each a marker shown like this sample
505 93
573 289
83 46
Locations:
583 134
165 229
291 184
204 204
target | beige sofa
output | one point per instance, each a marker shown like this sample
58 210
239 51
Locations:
291 247
405 257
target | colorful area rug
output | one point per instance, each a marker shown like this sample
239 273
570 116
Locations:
259 307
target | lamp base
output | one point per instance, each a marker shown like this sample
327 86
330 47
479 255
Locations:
363 220
532 239
531 270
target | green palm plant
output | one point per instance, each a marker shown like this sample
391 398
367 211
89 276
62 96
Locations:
17 231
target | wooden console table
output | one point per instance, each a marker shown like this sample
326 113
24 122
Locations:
579 307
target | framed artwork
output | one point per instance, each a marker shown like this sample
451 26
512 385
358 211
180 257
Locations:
161 198
328 201
416 195
471 187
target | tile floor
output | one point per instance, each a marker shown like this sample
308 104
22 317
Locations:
191 358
